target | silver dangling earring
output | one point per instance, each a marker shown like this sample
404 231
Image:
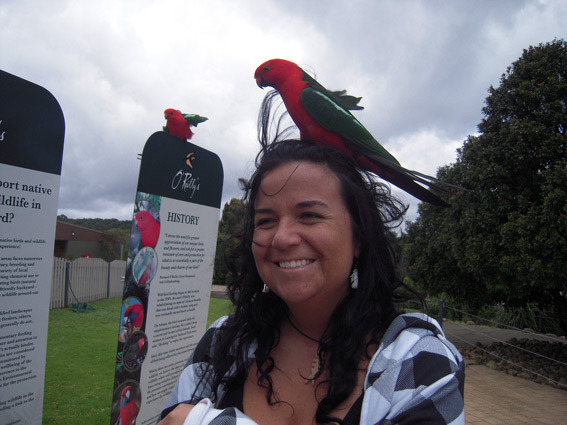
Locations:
354 276
265 289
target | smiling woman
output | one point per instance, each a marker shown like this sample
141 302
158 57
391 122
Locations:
303 241
316 336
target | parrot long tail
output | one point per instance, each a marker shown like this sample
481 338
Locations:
410 180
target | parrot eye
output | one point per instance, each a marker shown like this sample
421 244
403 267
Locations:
266 68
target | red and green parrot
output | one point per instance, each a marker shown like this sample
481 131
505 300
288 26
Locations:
179 124
323 117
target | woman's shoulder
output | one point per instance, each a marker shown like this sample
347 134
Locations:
415 369
416 323
204 347
411 334
217 324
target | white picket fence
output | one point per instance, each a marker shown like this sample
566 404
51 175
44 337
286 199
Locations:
85 280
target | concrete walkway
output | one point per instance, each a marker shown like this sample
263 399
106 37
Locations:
493 397
462 334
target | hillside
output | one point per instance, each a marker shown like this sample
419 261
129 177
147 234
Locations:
100 224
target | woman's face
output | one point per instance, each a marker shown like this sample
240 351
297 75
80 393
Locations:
303 240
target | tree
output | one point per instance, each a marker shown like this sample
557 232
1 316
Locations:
505 238
230 226
114 244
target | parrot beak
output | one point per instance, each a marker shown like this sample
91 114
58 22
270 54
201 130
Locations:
260 82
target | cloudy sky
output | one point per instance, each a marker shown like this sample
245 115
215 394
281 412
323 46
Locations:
422 67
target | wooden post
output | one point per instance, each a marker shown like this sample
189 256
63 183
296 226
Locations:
108 282
67 282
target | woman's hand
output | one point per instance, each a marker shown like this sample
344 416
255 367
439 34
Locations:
177 416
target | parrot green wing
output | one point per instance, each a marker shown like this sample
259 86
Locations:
194 119
334 117
346 101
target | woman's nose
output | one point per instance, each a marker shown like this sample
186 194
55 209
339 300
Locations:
286 235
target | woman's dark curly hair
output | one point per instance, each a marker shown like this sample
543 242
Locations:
363 313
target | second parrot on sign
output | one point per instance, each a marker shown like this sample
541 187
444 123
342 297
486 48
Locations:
179 124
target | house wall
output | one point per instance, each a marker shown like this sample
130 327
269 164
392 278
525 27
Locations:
78 249
73 241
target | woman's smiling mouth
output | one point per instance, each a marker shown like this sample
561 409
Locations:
294 263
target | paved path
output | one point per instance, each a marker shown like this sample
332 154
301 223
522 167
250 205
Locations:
493 397
462 334
219 291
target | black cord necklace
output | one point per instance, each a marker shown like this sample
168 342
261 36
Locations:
318 341
318 362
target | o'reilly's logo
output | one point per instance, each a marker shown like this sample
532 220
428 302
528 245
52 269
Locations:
185 180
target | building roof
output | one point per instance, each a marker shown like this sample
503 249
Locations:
71 232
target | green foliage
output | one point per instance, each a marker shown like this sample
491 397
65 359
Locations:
529 316
453 308
100 224
81 355
230 226
114 244
504 240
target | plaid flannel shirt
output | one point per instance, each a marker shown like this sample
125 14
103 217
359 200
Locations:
415 376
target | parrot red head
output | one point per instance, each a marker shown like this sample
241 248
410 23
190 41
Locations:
172 113
126 395
275 72
144 219
135 315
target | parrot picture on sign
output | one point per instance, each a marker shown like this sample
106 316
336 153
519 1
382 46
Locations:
129 405
149 228
135 351
179 124
323 117
132 318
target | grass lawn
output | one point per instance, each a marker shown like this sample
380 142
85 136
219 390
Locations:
81 353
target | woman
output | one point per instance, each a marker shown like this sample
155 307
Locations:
315 336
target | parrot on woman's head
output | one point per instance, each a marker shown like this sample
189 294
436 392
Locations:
323 117
179 124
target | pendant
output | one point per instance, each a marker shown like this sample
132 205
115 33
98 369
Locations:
316 367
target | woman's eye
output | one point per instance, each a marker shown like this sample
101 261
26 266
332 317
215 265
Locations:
310 215
262 222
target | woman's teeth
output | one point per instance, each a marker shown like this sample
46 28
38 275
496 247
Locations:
294 263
